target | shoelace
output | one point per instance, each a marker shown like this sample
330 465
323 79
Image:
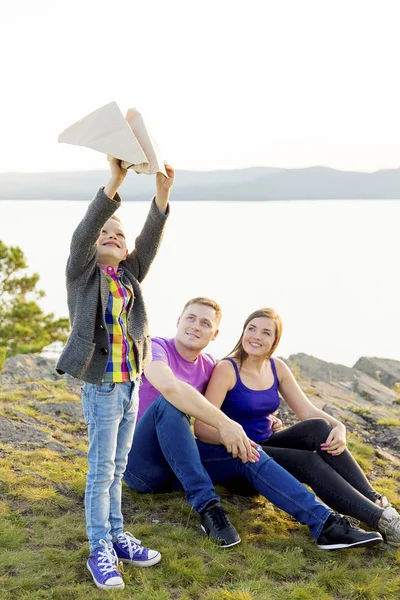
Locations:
349 522
107 559
218 516
131 544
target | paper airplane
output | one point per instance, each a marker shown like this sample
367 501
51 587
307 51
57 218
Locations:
107 131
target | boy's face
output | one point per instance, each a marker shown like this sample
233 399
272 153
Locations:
111 244
197 327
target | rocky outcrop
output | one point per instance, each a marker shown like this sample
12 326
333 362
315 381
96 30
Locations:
385 370
39 408
319 370
34 368
356 396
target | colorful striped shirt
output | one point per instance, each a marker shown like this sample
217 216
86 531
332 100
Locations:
121 363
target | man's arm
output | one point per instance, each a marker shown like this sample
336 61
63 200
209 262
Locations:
83 249
222 380
188 400
148 241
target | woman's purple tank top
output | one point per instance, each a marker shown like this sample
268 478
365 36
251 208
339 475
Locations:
252 408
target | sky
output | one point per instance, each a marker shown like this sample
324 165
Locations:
222 84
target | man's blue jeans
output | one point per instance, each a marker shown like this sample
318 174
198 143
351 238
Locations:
165 457
110 411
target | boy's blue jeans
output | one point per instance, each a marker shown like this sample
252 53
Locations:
110 411
165 456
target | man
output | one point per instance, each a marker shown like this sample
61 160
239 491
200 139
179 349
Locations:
165 456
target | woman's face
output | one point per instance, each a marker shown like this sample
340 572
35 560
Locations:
259 337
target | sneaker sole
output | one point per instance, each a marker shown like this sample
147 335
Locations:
220 545
101 586
369 542
137 563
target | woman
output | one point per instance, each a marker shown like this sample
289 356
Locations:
246 386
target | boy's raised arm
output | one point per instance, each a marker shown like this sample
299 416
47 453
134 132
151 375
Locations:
103 206
148 241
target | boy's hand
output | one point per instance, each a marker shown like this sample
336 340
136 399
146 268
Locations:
117 172
164 185
118 175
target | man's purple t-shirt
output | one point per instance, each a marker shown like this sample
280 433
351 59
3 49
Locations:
197 373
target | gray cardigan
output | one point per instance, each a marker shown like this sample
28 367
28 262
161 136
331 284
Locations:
86 353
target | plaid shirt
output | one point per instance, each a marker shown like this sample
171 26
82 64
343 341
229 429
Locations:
121 364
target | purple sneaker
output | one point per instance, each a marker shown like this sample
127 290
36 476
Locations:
129 550
103 566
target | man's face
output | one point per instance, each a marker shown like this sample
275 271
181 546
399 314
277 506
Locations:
197 327
111 244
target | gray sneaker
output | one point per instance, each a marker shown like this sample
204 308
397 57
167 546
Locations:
383 502
389 526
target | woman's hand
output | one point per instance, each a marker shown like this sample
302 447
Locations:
336 441
276 423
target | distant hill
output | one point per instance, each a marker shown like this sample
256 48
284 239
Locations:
257 183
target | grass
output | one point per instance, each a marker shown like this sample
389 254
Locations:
361 411
44 549
388 422
310 391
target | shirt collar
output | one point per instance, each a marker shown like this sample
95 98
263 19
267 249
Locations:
109 270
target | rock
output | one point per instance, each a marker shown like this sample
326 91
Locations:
319 370
381 453
373 390
29 366
391 440
384 370
57 447
60 409
18 415
355 396
35 367
344 415
15 433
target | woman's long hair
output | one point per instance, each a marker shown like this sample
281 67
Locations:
238 353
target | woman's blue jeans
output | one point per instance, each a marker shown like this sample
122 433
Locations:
110 411
165 456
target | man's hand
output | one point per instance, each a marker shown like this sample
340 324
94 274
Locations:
237 443
336 441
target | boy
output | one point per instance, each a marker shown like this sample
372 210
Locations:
108 348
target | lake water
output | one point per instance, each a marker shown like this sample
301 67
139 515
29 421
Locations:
330 268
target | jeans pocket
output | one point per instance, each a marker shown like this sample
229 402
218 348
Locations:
106 389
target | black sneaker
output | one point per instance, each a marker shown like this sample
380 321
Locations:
217 526
339 532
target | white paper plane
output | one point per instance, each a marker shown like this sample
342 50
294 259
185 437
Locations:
107 131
